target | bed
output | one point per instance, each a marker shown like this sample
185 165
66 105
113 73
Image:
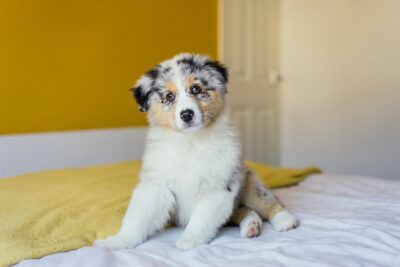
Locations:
345 221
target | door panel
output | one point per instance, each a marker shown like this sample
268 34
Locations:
248 46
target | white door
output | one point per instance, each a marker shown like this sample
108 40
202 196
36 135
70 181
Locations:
249 47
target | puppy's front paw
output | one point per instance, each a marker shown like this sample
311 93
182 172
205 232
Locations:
187 243
284 221
115 242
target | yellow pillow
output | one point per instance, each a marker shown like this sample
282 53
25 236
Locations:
280 177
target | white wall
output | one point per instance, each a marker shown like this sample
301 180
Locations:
33 152
341 85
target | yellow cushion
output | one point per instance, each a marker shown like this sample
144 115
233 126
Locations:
53 211
280 177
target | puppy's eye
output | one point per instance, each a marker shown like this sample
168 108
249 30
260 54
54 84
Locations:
195 89
170 96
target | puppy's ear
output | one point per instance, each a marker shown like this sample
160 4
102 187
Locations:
142 97
144 89
218 68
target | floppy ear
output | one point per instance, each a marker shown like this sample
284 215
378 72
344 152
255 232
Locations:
142 97
143 90
220 69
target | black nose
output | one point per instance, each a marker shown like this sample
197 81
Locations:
187 115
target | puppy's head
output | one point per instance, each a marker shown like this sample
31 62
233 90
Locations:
185 93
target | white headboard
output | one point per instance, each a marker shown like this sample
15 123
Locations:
33 152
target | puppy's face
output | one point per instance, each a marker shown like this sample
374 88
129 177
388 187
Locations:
185 93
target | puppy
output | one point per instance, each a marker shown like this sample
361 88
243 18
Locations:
193 174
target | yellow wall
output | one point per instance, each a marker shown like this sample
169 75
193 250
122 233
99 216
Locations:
68 64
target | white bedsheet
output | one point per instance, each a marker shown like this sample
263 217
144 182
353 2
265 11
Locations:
345 221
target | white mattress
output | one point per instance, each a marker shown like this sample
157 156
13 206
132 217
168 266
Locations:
345 221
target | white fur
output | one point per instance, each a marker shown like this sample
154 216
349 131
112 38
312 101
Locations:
284 221
183 177
186 102
251 225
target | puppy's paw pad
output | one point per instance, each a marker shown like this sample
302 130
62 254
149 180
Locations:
251 226
115 242
253 230
185 243
284 221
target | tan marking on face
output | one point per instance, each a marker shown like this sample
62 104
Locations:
159 115
162 115
188 83
171 87
211 107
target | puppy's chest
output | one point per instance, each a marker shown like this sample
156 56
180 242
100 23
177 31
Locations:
189 164
192 172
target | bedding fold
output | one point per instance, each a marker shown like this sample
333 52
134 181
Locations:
60 210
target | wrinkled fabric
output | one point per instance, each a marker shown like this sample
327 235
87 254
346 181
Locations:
53 211
344 221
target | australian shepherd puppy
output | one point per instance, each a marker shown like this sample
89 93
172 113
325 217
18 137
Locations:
192 174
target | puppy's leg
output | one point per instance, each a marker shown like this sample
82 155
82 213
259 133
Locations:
210 213
148 211
249 222
259 198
